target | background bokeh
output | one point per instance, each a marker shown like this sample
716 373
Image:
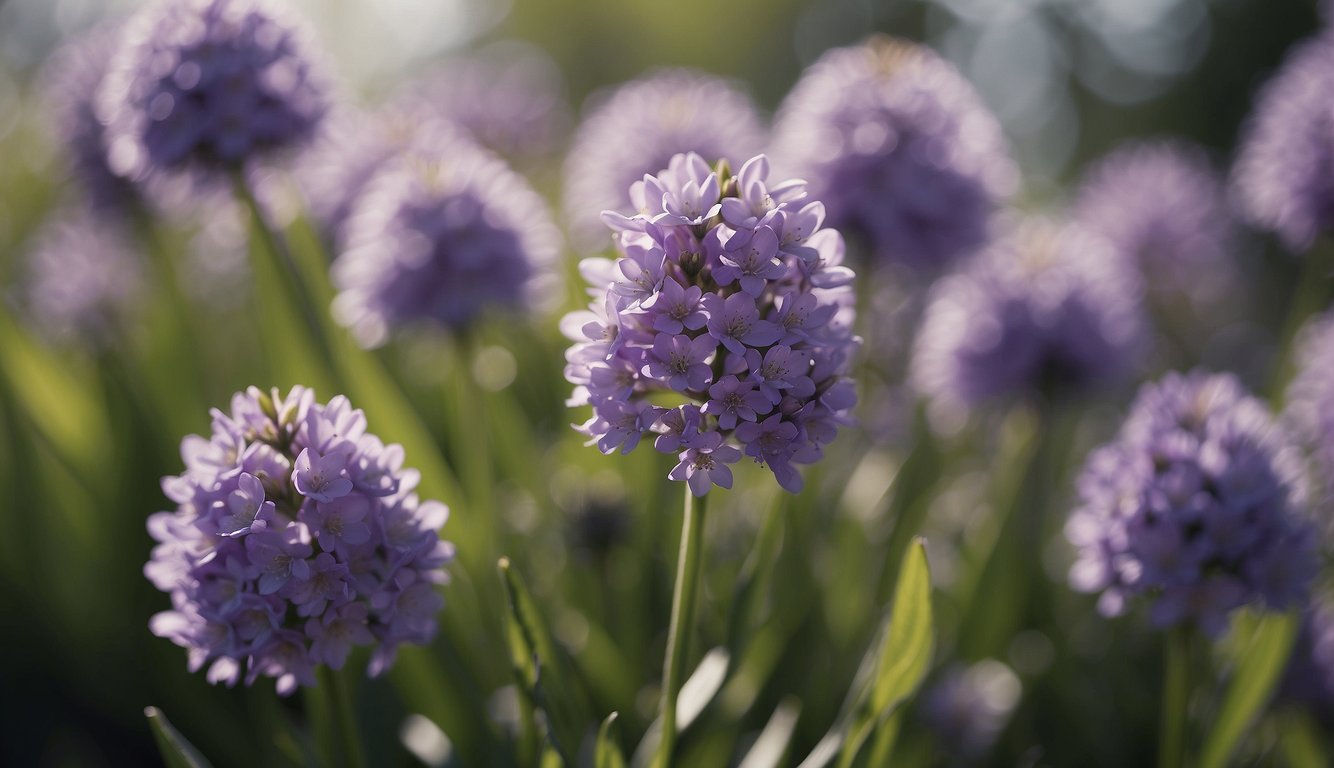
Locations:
1069 79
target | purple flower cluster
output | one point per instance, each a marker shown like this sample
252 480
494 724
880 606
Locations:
1284 173
444 232
208 84
505 97
639 127
297 537
1046 307
1309 403
84 274
1161 206
728 292
1196 504
900 148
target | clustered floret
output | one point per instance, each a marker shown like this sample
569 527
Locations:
1047 308
1197 504
900 148
444 232
1309 409
208 84
1284 174
1161 206
298 536
729 293
638 127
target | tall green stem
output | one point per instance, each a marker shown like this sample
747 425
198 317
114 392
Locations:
344 745
688 568
1176 692
288 271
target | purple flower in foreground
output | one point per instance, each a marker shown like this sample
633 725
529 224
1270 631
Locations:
445 233
1283 178
704 463
683 309
900 149
296 537
667 113
208 84
1197 505
1045 308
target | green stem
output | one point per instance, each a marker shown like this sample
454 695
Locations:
277 248
345 741
1176 691
683 620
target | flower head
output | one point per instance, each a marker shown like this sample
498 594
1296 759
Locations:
445 232
1160 205
1195 505
667 113
706 301
900 149
1283 178
297 536
506 97
1046 307
84 274
208 84
1309 409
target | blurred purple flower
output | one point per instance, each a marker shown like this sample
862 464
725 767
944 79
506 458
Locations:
1283 178
208 84
638 128
84 274
266 580
68 82
900 148
682 309
444 233
1046 307
1309 408
1161 206
968 707
1198 505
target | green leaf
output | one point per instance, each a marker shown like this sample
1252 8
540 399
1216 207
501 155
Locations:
607 753
1299 740
903 654
176 751
890 671
538 666
906 652
1257 672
